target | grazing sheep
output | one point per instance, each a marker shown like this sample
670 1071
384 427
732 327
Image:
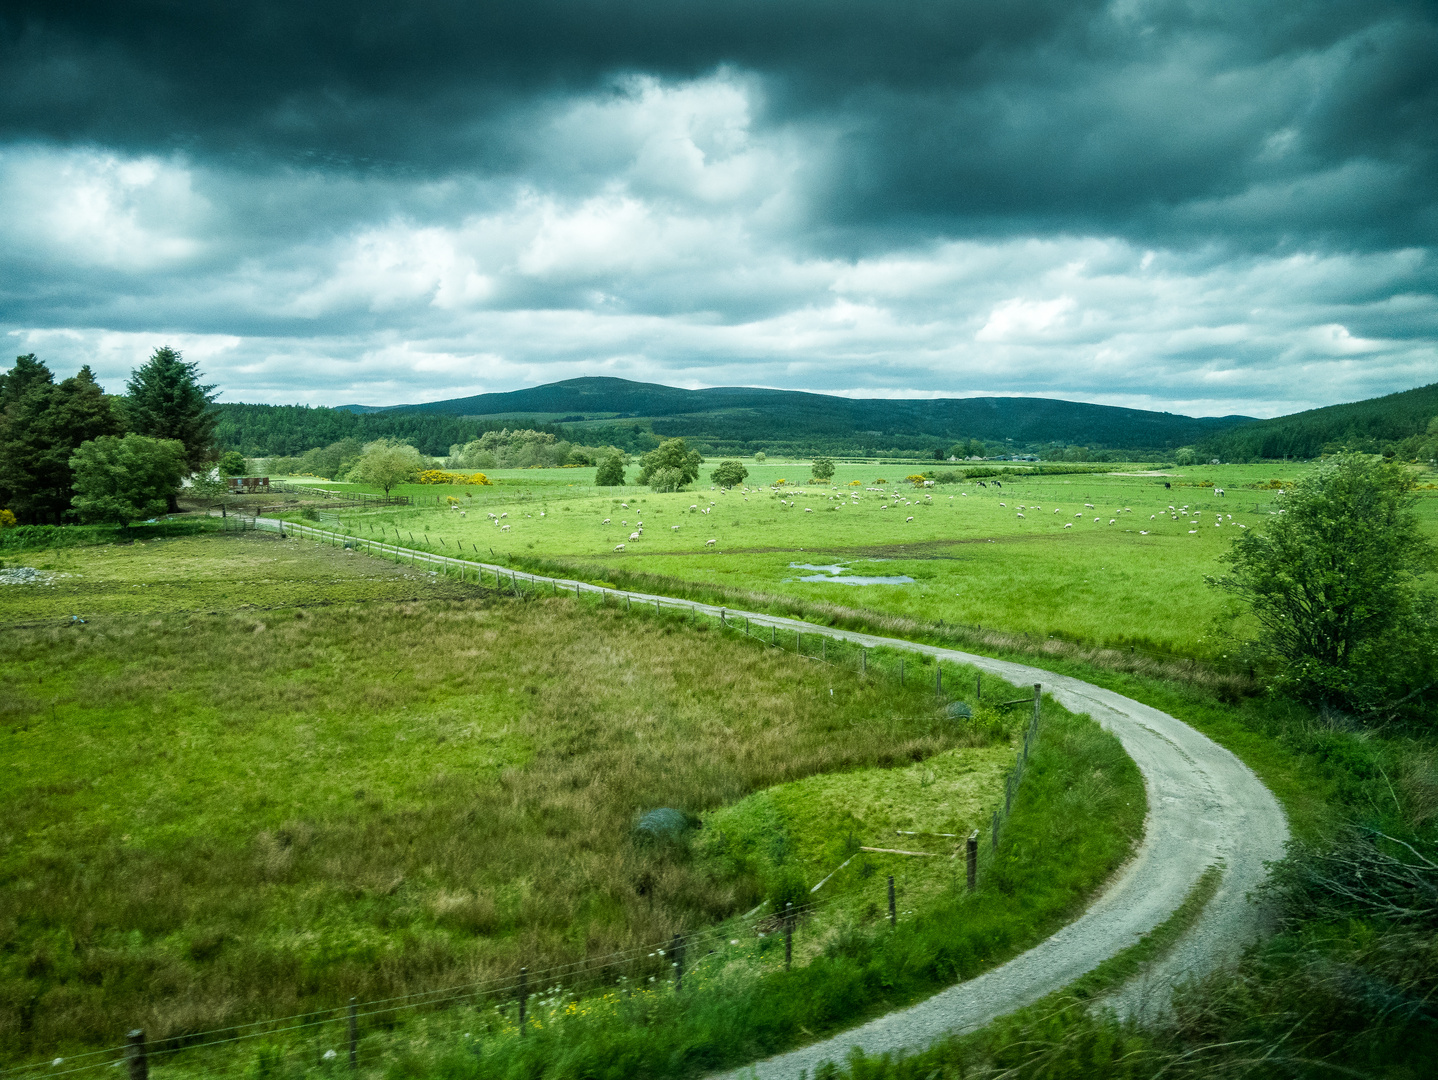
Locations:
1004 505
909 518
1088 506
1143 532
634 536
606 521
1192 532
1095 521
505 514
710 543
1112 520
693 506
1055 511
618 547
461 513
674 527
808 509
1020 515
504 528
1068 525
624 506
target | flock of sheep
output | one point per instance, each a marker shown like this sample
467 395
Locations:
888 499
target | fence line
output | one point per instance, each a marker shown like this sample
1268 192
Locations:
585 973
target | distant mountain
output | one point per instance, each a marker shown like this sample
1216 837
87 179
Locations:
1367 425
741 418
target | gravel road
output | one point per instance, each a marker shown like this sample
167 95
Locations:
1205 808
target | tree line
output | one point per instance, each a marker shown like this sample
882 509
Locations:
69 451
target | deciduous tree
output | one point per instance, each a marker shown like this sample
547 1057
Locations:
610 472
1335 582
123 479
387 462
671 454
728 474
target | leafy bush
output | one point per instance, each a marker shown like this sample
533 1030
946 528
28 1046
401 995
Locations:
728 474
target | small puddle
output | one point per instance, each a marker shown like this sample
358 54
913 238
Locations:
836 573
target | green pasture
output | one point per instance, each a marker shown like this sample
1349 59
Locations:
1126 571
248 777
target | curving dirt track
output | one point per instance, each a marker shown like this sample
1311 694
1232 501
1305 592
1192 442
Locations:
1205 807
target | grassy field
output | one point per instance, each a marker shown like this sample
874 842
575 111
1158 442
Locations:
1127 571
263 775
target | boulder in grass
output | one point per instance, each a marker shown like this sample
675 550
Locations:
665 823
959 710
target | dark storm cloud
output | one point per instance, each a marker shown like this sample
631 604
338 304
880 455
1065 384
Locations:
1203 206
1267 124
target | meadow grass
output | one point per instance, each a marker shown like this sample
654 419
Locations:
264 775
975 562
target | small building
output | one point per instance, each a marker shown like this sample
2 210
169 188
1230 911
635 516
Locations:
249 485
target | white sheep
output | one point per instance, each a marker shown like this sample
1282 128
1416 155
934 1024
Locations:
634 536
505 514
810 510
618 547
674 527
606 521
504 528
1068 525
909 518
1020 515
710 543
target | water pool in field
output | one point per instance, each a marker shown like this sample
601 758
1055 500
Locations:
838 573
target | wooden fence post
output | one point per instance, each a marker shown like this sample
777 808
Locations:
893 914
972 852
523 997
938 679
135 1055
1038 694
354 1034
788 935
676 950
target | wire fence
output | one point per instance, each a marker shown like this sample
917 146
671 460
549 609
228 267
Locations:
349 1026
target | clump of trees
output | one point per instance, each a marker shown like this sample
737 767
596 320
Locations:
47 474
822 469
522 448
1336 582
671 465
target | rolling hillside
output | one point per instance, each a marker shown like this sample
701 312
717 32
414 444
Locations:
748 418
1371 425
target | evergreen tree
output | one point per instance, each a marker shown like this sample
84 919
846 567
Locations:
41 426
166 401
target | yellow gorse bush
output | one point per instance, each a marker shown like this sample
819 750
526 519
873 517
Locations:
917 479
7 519
439 476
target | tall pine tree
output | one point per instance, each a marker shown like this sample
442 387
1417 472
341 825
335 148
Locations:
166 401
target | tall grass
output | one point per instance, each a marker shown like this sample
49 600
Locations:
220 815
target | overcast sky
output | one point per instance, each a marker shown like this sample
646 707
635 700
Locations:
1205 206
